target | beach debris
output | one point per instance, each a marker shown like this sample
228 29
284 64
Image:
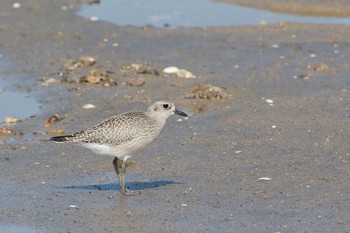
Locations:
52 120
139 81
181 73
93 18
16 5
171 70
141 68
89 106
128 97
49 82
39 133
312 55
5 132
79 71
8 131
265 178
56 131
318 68
82 61
10 121
208 91
87 60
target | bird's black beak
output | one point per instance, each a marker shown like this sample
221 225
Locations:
180 113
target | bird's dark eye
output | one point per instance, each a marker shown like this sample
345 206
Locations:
166 106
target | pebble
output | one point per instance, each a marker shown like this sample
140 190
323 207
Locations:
52 120
89 106
50 81
137 82
87 60
94 18
270 101
16 5
11 120
56 131
72 206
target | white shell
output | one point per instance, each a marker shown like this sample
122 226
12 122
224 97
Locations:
171 70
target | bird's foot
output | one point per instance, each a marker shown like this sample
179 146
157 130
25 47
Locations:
127 192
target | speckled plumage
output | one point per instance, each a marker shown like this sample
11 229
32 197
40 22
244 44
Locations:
124 134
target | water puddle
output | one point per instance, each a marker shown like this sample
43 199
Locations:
16 229
16 104
173 14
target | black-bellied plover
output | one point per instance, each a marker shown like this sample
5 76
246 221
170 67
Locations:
124 134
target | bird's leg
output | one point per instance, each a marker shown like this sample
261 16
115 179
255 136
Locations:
117 170
123 188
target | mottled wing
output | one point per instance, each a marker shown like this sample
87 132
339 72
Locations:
115 130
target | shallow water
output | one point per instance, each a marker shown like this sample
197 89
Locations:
169 13
15 229
17 104
12 102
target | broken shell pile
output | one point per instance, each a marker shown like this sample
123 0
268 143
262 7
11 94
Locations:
207 91
79 71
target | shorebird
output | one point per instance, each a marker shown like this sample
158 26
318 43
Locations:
122 135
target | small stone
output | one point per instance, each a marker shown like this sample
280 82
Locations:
50 81
319 68
72 65
52 120
149 70
94 18
89 106
6 131
127 97
269 101
11 120
16 5
137 82
38 133
87 60
56 131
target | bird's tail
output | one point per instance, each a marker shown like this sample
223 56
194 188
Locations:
61 138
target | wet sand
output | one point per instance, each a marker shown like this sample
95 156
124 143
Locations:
273 157
338 8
